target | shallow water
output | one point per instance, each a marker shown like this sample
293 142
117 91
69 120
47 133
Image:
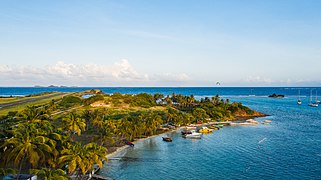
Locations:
289 148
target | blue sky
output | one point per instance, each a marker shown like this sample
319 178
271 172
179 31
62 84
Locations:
160 43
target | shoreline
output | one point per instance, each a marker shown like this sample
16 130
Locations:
120 149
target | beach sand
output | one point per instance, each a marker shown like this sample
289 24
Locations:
120 151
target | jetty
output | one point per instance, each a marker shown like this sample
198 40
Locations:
98 177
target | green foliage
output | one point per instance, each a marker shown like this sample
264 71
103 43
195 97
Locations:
93 99
143 100
69 101
50 174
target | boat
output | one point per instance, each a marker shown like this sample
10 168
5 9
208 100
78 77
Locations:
191 127
267 122
219 125
316 98
205 130
299 101
251 95
214 127
193 135
129 143
186 132
167 139
311 103
249 122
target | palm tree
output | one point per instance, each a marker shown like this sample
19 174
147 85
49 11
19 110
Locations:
4 172
97 154
97 118
73 123
26 146
200 114
32 113
87 116
75 157
82 158
50 174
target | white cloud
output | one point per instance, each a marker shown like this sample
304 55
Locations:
120 73
258 79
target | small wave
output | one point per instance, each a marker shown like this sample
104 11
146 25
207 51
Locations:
262 140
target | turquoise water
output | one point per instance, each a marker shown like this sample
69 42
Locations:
289 148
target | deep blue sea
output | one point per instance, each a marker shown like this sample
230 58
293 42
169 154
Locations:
289 148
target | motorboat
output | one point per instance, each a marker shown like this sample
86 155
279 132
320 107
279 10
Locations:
167 139
186 132
129 143
205 130
194 135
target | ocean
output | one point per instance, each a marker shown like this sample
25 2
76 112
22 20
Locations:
289 148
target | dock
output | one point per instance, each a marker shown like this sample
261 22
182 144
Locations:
225 123
98 177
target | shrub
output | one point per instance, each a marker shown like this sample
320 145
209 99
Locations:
143 100
93 99
69 101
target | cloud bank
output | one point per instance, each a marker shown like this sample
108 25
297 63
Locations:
120 73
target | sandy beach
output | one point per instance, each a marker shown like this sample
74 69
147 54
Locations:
120 150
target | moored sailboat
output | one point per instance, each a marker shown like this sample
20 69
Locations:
311 103
316 97
299 100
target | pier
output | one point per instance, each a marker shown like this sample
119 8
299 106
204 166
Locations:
98 177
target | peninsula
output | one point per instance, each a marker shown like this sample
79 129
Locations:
71 133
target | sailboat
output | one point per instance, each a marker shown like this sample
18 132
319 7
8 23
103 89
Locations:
299 101
311 103
316 97
251 93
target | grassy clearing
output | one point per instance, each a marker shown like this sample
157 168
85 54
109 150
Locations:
21 107
4 100
9 99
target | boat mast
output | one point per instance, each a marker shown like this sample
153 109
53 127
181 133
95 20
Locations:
311 96
299 95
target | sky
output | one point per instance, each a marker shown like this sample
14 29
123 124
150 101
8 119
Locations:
160 43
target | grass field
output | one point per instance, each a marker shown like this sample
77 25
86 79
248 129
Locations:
20 107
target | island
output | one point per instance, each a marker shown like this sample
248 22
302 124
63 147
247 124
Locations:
276 95
70 135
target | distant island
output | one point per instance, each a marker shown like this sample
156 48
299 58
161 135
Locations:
276 95
53 86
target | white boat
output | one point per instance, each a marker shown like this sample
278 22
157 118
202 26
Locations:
316 98
311 103
267 122
299 101
194 135
251 93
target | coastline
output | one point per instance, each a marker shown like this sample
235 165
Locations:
121 149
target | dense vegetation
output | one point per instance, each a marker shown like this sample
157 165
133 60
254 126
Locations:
70 135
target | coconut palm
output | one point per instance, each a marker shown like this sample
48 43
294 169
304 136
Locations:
87 116
50 174
106 133
75 157
28 147
73 123
32 114
97 154
82 158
